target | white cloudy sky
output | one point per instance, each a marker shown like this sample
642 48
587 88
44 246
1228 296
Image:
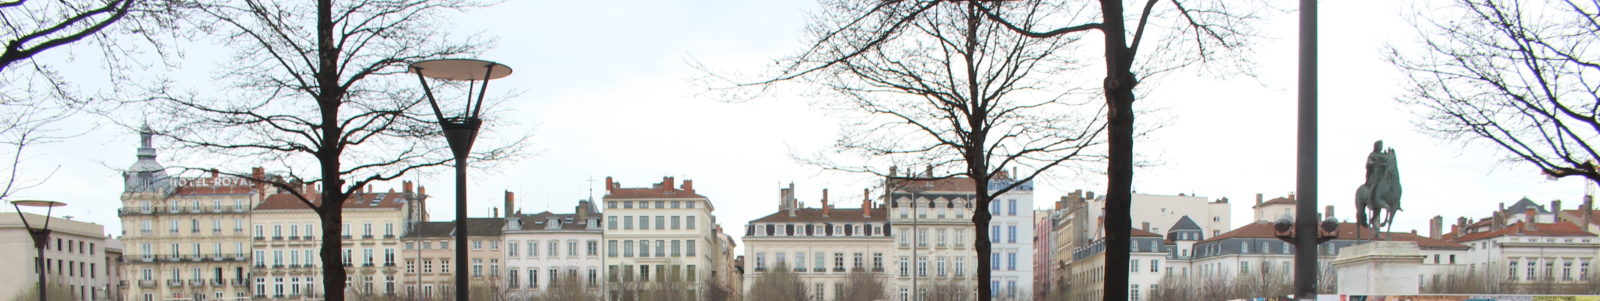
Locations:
606 90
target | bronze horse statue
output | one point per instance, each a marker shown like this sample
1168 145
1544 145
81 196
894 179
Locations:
1381 192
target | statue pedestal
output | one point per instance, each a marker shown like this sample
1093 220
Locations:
1379 268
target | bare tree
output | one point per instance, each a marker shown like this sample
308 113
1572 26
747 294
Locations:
716 290
33 96
1186 32
939 85
567 288
778 284
864 286
948 290
1517 74
308 91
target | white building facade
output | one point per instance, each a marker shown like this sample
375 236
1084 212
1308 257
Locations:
823 246
544 247
931 222
659 233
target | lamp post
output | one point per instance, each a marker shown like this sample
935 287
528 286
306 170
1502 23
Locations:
460 131
41 237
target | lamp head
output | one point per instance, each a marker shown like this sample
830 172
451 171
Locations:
1330 225
37 203
1284 224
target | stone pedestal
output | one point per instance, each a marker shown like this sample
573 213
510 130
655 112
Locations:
1379 268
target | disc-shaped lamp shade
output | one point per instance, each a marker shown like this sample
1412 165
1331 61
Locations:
38 203
461 69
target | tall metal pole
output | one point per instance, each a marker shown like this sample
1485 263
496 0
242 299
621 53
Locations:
1305 257
461 228
39 241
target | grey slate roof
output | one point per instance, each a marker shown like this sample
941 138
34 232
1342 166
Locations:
481 226
1184 223
1523 205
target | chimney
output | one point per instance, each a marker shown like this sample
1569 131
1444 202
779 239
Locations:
511 203
1529 218
1497 221
494 211
1502 206
1435 225
609 184
786 199
1258 200
1145 227
1327 212
668 182
405 186
893 171
1588 212
1291 198
929 173
1555 208
1456 229
825 206
258 173
866 203
214 174
422 190
688 186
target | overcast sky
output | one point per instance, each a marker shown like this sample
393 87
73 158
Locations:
606 89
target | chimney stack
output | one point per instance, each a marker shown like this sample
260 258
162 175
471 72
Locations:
688 186
1327 212
893 171
825 206
929 173
667 183
422 190
511 203
1530 217
1145 227
1456 230
406 186
1435 226
1588 212
494 211
1258 200
610 184
1498 221
866 203
1555 207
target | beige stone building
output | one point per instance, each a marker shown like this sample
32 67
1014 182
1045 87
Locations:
185 238
659 234
286 239
823 245
75 258
430 260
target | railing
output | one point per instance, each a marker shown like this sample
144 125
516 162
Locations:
218 282
277 237
368 236
308 237
877 269
761 269
147 283
197 282
838 269
174 283
239 282
819 269
800 270
388 236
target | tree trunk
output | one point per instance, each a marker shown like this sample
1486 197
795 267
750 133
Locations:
333 272
1119 171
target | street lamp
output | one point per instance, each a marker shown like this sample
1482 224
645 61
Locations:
460 131
41 237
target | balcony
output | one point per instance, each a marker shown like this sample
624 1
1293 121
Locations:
239 282
368 236
858 269
819 269
197 282
761 269
277 266
292 237
174 283
799 270
838 269
308 237
147 284
877 269
388 236
259 238
218 282
277 237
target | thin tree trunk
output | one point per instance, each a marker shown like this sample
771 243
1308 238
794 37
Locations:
1119 171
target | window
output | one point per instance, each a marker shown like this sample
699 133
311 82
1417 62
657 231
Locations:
1011 237
611 248
661 221
688 222
676 244
627 222
922 238
1013 210
994 234
611 222
572 248
961 266
594 247
644 248
553 245
627 248
1011 261
533 248
676 220
689 249
838 261
905 267
877 261
1133 266
444 266
1155 265
1133 292
941 266
994 261
533 277
1513 269
511 249
1566 270
427 266
690 205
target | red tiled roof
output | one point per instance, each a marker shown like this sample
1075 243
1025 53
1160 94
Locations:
1425 242
1142 233
359 200
1556 229
662 190
834 215
1578 214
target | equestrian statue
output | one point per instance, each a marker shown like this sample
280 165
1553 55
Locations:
1381 192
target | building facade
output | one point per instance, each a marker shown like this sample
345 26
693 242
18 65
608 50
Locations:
931 222
824 246
431 263
286 239
660 238
545 247
75 258
185 238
